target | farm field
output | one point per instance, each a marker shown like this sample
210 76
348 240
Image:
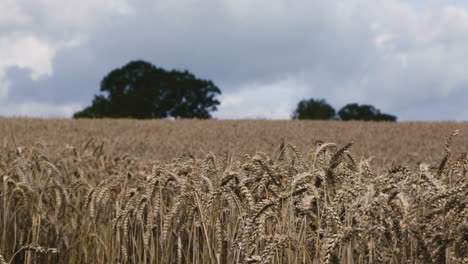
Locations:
388 143
221 191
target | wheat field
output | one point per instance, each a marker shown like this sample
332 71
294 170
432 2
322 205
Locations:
218 191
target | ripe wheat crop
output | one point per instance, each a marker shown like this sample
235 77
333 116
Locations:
84 200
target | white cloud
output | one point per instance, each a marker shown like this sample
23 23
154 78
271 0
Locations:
231 100
33 32
37 109
420 51
24 51
274 100
12 14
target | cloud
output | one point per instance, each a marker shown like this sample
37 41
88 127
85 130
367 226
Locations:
37 109
421 57
254 100
11 14
73 15
34 32
264 55
26 52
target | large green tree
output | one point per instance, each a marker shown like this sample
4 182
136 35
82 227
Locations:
363 112
314 109
142 90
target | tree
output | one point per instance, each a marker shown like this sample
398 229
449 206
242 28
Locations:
314 109
142 90
363 112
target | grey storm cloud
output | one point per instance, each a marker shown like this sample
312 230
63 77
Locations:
401 56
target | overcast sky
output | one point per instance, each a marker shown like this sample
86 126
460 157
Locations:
406 57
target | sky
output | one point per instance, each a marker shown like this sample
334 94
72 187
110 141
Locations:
408 58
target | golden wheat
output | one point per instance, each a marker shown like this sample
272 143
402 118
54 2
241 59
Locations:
92 203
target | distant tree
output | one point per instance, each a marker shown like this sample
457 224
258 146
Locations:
363 112
141 90
314 109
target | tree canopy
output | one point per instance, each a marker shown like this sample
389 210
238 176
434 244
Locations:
314 109
142 90
363 112
321 110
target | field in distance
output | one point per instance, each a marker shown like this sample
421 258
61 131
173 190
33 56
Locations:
252 191
406 143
